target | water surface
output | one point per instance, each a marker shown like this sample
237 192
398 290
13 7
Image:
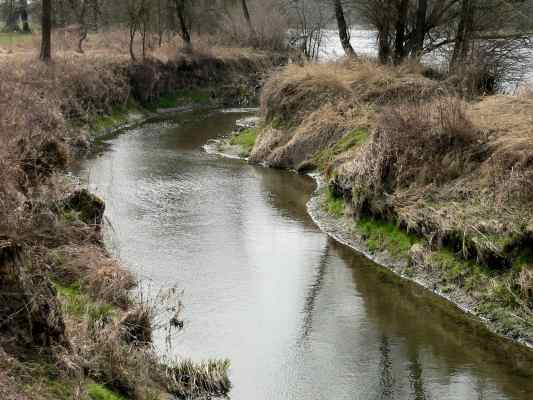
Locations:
300 316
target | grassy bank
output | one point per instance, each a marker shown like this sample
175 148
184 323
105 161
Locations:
436 180
93 339
245 140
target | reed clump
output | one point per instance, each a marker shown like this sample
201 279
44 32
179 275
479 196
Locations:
188 380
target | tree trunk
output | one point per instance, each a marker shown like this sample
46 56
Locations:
83 36
95 14
46 27
419 34
23 7
133 32
463 36
160 28
82 22
184 27
384 48
144 40
401 26
246 13
12 19
343 30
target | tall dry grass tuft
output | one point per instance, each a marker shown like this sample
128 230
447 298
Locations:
293 92
525 281
318 130
187 379
508 121
95 272
414 145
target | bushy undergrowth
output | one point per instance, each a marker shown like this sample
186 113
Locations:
190 380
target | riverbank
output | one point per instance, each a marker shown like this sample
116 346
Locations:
85 335
433 186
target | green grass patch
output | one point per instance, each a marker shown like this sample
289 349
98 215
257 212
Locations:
81 306
100 392
458 271
72 216
119 115
40 377
334 204
246 140
183 97
74 302
8 39
382 235
523 259
354 138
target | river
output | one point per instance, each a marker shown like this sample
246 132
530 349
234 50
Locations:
299 316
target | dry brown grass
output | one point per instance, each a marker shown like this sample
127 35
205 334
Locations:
297 90
508 120
427 144
458 174
35 140
318 130
310 107
97 274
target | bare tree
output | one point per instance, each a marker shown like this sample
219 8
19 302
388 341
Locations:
79 8
247 17
463 36
309 19
420 28
24 16
402 13
11 16
183 14
46 29
343 29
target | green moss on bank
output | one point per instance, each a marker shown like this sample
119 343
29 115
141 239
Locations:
98 124
119 115
386 236
496 292
100 392
182 98
246 140
326 156
334 204
8 39
78 305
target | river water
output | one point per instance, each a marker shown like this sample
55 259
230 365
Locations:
300 316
